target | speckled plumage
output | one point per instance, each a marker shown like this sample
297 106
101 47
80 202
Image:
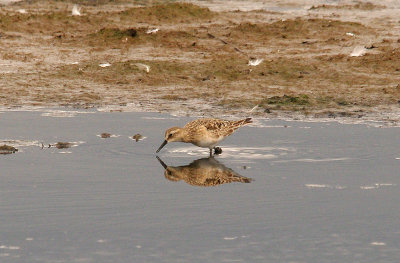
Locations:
204 133
203 172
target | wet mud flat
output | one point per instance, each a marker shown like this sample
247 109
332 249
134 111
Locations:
281 191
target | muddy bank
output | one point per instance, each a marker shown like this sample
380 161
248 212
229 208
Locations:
319 61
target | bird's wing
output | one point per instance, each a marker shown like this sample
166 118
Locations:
210 124
217 127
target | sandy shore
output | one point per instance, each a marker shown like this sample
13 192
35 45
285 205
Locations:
316 60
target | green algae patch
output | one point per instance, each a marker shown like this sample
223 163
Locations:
286 102
297 28
171 12
117 33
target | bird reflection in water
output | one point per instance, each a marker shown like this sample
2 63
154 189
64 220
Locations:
203 172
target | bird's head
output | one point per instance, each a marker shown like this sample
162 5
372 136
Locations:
172 175
174 134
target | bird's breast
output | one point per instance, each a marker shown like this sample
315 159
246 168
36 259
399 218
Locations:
207 141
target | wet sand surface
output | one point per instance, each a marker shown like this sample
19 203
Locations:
306 192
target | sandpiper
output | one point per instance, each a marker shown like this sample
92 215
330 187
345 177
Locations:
203 172
206 133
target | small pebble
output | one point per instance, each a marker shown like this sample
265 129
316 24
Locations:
137 137
6 149
105 135
63 145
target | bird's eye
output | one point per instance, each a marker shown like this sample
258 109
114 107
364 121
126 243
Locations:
170 135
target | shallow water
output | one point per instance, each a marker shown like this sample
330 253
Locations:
288 192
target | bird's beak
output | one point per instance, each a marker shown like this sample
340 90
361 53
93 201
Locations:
161 162
162 145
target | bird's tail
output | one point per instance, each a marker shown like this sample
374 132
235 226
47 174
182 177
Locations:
243 180
234 177
247 120
243 122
